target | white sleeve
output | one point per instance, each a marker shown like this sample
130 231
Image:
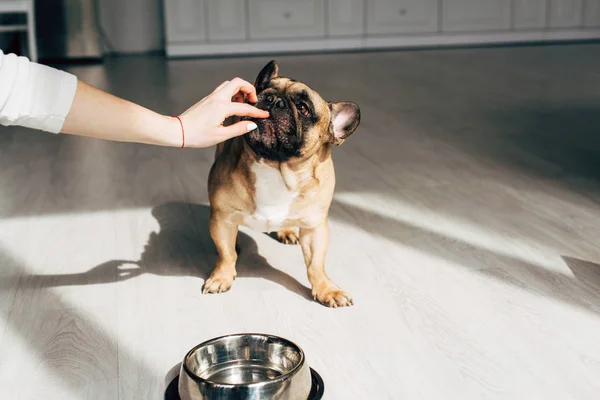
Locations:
34 95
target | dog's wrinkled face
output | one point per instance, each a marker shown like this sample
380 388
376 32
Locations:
300 120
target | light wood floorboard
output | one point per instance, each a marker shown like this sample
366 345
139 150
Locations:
465 226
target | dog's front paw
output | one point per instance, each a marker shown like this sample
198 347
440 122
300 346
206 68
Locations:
332 296
218 283
288 236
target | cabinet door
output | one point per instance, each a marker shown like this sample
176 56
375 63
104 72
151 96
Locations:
184 20
530 14
345 17
401 16
591 13
476 15
286 18
226 19
565 13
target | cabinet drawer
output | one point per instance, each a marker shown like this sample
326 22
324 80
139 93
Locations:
591 13
566 13
530 14
476 15
286 18
402 16
184 20
345 17
226 19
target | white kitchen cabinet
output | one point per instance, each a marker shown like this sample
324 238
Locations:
277 19
591 14
402 16
184 20
345 17
476 15
226 19
229 27
530 14
565 13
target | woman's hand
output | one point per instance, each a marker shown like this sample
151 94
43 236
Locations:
203 122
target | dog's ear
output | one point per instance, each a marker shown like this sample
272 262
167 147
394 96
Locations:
270 71
345 117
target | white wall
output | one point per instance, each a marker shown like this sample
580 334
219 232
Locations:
133 26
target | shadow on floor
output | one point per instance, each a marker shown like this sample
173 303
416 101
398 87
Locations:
558 142
582 290
78 370
585 271
182 247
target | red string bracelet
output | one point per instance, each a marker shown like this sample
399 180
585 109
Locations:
182 131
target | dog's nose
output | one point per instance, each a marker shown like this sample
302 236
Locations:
274 101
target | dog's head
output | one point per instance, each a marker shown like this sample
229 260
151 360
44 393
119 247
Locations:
300 121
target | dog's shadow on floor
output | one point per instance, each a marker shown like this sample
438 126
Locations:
181 247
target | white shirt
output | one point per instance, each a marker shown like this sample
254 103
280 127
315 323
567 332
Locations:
34 95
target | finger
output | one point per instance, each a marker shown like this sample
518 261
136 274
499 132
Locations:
238 85
220 87
244 110
237 129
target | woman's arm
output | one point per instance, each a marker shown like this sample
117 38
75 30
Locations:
44 98
98 114
101 115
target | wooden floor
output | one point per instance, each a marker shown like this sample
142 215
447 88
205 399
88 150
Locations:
465 225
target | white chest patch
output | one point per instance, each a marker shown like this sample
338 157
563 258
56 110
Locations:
273 200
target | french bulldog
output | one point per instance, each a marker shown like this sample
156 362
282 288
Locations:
280 178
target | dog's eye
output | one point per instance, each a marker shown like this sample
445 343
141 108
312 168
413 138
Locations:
303 109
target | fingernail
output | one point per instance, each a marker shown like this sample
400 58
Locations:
251 126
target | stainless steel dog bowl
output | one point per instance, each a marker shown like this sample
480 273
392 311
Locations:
245 366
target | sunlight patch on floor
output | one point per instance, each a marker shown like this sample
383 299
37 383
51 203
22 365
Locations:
452 228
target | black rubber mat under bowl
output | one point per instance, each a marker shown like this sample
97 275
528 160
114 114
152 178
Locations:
316 392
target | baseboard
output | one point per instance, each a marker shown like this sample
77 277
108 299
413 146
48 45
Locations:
183 49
